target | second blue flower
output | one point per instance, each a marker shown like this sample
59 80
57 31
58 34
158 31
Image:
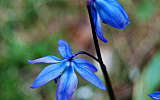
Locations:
109 12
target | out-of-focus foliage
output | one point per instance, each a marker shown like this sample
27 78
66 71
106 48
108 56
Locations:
145 9
149 79
30 29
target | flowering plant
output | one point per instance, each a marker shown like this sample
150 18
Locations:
109 12
63 69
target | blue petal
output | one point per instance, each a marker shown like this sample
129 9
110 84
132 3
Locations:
66 85
48 73
46 59
155 95
85 64
56 79
97 23
112 13
64 49
89 76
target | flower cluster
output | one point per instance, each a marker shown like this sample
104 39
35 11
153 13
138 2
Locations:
109 12
64 70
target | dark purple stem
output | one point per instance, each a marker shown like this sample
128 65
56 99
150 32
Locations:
85 53
103 67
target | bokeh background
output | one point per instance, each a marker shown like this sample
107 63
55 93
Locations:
30 29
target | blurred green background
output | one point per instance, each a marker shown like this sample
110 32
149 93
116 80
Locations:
30 29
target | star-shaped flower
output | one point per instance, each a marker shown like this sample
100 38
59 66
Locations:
64 69
155 95
109 12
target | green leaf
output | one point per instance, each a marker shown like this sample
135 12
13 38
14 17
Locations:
149 80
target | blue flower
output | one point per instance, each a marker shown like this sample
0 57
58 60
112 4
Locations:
64 69
110 12
155 95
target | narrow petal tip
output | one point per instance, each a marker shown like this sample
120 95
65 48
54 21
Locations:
64 49
128 22
105 40
30 62
32 86
122 28
101 37
103 88
124 25
46 59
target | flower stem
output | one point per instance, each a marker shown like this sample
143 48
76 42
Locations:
88 54
103 67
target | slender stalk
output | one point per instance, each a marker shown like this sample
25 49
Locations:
85 53
103 67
